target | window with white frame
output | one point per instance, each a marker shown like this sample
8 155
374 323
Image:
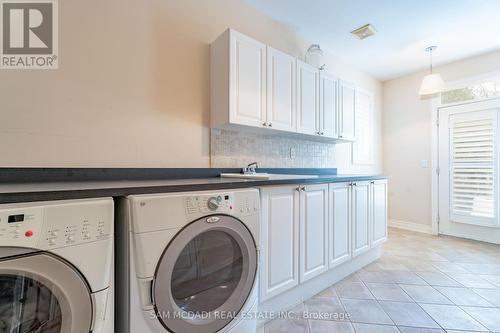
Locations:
362 149
478 91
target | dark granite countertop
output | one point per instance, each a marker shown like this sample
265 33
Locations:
22 191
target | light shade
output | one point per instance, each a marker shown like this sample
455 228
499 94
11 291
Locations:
431 84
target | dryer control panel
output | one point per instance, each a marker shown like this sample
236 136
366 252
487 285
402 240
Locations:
231 203
56 224
220 203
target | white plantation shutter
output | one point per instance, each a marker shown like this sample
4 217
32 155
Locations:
473 167
362 149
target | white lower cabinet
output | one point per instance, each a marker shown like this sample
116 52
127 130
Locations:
308 230
313 231
360 217
379 211
339 224
280 240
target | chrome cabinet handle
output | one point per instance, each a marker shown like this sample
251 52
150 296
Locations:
322 133
270 124
264 124
303 188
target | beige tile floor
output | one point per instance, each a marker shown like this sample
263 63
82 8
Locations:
421 284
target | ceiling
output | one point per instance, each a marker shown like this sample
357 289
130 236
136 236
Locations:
460 29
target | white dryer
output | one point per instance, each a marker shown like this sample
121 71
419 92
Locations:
55 265
193 261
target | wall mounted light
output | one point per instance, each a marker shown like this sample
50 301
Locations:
315 57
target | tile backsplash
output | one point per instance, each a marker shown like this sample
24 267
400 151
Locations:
230 148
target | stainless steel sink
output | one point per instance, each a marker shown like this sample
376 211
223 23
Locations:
265 176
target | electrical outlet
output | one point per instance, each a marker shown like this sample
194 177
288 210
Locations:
292 153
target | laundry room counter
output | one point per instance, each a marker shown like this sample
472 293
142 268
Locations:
42 184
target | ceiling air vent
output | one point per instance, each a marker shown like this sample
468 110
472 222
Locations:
364 32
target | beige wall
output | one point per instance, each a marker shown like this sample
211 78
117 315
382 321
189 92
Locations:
133 84
407 136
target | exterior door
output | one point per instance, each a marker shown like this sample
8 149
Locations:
468 171
41 293
361 217
307 98
379 211
281 87
280 240
340 223
247 71
328 106
313 231
208 268
347 104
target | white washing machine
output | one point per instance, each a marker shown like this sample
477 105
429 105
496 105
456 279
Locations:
55 266
193 261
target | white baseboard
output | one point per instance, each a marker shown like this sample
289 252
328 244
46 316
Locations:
424 228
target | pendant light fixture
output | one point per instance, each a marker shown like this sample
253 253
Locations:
432 83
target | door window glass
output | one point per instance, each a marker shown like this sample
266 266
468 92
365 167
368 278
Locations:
207 272
28 306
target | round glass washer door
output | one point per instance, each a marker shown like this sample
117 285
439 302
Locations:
40 293
205 275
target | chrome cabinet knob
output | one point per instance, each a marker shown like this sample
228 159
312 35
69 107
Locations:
270 124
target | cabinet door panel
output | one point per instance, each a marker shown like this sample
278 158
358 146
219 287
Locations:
379 214
313 231
307 98
248 81
347 110
328 106
281 85
340 224
280 240
361 217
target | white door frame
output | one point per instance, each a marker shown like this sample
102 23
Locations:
435 106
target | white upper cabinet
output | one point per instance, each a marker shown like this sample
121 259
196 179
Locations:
328 115
281 88
238 80
307 98
346 111
279 240
379 212
257 86
313 231
360 217
248 78
339 223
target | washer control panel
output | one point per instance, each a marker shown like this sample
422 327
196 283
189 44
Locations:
20 227
56 224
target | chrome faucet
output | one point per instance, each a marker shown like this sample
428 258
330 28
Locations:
251 168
